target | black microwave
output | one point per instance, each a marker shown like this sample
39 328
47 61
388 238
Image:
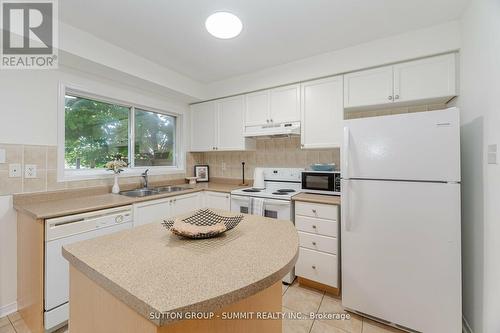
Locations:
321 182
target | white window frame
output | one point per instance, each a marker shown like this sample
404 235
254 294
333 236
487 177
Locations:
64 174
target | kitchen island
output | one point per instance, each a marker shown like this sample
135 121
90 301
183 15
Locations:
149 280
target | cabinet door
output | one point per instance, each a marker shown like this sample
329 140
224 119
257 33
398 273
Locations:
285 104
257 108
322 113
183 204
152 211
429 78
231 123
218 200
203 126
370 87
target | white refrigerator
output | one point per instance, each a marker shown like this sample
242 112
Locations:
401 260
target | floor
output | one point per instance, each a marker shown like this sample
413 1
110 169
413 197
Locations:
296 299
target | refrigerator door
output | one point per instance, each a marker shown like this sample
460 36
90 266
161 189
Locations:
415 146
401 253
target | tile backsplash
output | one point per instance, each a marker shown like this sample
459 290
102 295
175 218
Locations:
270 152
45 158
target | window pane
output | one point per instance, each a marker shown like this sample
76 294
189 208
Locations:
95 132
154 139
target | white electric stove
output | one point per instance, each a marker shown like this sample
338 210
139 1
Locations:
280 184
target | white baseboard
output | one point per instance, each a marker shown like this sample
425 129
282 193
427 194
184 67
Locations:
465 326
8 309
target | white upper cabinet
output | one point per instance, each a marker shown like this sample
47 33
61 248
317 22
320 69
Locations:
429 80
203 126
257 108
218 125
370 87
425 79
231 123
278 105
285 104
322 113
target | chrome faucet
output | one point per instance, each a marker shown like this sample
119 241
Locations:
145 177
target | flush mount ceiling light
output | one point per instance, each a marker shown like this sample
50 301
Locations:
223 25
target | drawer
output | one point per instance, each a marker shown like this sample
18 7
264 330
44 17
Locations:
318 242
316 226
317 266
329 212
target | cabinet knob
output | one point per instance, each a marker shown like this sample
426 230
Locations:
227 196
314 243
314 211
396 97
271 120
390 98
314 227
313 267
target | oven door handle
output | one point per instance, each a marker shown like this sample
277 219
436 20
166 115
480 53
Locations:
276 202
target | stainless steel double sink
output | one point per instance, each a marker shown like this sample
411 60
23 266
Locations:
144 192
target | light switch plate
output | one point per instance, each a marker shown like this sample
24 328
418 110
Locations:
2 155
30 171
15 170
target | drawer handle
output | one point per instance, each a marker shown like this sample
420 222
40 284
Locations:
313 267
314 243
314 227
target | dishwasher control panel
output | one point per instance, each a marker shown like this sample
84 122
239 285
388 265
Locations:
74 224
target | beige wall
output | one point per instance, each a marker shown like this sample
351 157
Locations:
270 152
45 158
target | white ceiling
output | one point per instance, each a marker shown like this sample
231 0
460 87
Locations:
172 33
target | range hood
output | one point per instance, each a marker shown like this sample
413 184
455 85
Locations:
283 129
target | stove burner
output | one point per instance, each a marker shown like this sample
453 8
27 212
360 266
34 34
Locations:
286 190
251 190
280 193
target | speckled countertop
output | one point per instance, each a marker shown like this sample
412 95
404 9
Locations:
317 198
152 270
74 203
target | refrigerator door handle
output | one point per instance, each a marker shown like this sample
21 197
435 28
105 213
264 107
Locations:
345 154
345 207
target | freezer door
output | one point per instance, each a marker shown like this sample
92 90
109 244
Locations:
401 253
414 146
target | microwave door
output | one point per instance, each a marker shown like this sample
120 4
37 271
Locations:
318 181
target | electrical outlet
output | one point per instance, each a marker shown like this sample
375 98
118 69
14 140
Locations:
2 155
30 171
15 170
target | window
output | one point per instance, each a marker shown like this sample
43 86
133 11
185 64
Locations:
154 139
97 131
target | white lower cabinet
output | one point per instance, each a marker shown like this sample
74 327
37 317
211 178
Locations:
151 211
318 226
161 209
186 203
317 266
217 200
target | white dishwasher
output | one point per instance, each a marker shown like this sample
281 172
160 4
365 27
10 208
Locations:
66 230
